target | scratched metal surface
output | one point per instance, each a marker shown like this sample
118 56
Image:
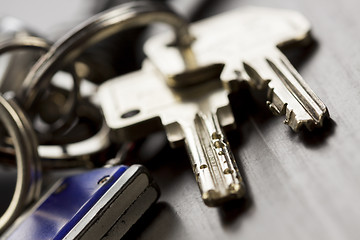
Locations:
300 186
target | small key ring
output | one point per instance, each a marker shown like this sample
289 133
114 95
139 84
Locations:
28 183
74 155
84 153
21 42
96 29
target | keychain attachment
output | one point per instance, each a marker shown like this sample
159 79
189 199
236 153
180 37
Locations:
96 29
26 42
28 183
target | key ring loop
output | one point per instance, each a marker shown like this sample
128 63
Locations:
21 42
94 30
83 153
28 183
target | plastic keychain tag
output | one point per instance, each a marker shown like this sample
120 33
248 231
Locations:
101 203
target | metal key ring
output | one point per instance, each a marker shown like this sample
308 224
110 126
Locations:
76 154
28 183
23 42
79 154
82 153
96 29
20 42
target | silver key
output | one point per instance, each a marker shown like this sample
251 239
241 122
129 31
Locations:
246 42
141 102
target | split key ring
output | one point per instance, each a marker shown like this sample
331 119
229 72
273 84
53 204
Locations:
28 179
96 29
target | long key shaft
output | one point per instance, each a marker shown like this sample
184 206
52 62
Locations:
213 163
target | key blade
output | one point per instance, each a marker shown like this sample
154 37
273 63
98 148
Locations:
213 163
287 92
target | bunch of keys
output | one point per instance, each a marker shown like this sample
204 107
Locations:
182 88
185 90
130 188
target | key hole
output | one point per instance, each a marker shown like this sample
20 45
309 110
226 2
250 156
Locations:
131 113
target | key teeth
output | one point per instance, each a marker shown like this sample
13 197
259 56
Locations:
275 110
311 124
270 94
291 121
281 70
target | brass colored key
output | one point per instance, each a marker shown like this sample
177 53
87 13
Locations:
141 102
246 43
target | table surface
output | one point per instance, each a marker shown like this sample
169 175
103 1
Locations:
299 185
